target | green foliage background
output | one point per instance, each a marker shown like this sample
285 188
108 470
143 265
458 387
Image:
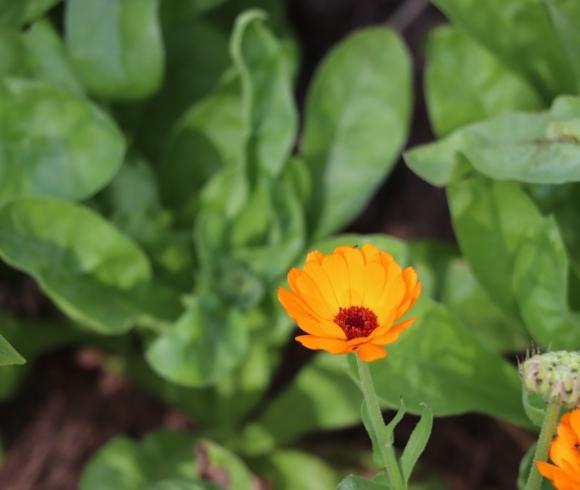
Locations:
155 184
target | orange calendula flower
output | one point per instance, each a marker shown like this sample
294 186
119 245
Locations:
350 300
565 454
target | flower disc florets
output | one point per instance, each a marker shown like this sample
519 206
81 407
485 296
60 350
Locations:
555 376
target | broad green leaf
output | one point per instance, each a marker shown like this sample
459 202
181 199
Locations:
47 59
447 278
221 460
541 286
360 94
322 396
12 54
115 465
417 443
209 137
491 219
438 362
14 13
465 83
116 46
562 202
204 345
54 143
283 239
181 484
353 482
527 42
123 464
8 354
174 11
565 16
133 201
295 470
92 272
189 45
536 148
270 119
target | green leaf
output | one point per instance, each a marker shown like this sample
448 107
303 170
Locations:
353 482
8 354
269 115
94 274
534 412
528 43
465 83
189 45
204 345
537 148
174 11
447 278
438 362
295 470
54 143
274 248
491 219
47 59
209 137
223 461
565 16
417 443
321 396
361 92
392 425
115 465
14 13
12 54
541 284
181 484
116 46
123 464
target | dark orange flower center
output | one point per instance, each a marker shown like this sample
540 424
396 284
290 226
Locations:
356 321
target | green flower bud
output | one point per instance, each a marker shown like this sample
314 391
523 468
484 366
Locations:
555 376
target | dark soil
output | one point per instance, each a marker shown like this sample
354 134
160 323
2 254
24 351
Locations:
68 405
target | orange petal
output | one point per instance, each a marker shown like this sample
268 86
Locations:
392 294
311 295
355 264
559 477
574 420
374 280
314 257
320 328
371 254
320 278
370 352
334 346
392 333
337 271
293 304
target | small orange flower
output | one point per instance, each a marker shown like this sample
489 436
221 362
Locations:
565 453
349 301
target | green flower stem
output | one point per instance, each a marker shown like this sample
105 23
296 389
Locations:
387 451
551 418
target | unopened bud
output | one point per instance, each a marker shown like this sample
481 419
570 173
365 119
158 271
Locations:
555 376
